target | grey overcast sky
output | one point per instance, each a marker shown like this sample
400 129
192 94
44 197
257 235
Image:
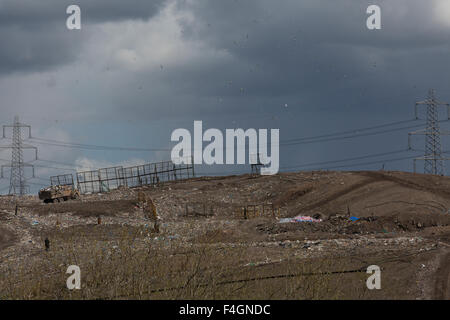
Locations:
137 70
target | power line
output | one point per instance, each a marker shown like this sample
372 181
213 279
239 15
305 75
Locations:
348 131
365 163
91 146
352 136
43 179
347 159
338 166
294 141
348 134
72 165
56 168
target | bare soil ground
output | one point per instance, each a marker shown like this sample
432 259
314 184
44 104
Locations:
206 249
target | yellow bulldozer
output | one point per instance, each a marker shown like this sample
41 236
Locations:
58 193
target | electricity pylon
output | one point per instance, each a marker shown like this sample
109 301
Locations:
18 184
434 162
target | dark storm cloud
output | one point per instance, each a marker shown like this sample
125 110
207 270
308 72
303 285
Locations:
31 12
311 55
307 67
35 50
404 22
33 34
300 43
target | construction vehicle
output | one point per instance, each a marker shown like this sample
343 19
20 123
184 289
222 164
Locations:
58 193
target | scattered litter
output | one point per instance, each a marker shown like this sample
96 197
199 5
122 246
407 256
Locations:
354 218
306 219
299 219
34 223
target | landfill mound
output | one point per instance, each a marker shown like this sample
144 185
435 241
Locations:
242 229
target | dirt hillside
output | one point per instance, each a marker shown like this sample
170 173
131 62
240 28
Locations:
235 226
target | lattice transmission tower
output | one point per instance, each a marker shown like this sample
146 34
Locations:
18 184
433 159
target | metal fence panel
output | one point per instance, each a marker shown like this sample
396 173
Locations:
62 180
106 179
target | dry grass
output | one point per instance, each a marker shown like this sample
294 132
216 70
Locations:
120 262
